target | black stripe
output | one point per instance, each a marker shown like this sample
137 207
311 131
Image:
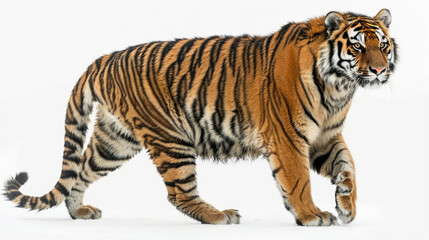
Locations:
202 94
188 179
215 51
52 201
285 132
233 54
248 48
72 159
192 68
63 190
331 50
112 133
70 146
279 39
76 190
182 88
44 199
83 179
103 142
170 74
300 79
176 165
170 184
183 51
70 119
74 137
306 111
163 148
11 195
341 60
94 167
98 63
292 36
341 161
238 104
165 166
303 189
167 48
82 96
33 202
267 44
219 114
319 161
283 31
296 185
74 92
23 201
202 48
337 125
91 86
102 75
177 155
301 135
68 174
335 158
243 59
244 101
275 171
186 191
319 84
108 154
255 56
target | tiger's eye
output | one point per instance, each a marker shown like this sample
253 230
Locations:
382 44
357 46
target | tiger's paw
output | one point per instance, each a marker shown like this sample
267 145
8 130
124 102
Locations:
229 216
86 212
346 207
318 219
345 196
232 215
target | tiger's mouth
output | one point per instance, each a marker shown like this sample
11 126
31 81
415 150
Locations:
371 80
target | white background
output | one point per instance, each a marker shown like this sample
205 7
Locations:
46 46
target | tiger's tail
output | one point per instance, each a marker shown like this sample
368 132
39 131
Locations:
76 124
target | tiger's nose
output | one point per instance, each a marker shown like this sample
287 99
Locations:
377 70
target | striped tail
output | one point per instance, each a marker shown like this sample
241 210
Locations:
76 124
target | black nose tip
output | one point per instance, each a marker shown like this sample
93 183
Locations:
377 70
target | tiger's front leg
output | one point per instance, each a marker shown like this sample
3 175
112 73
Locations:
335 162
291 171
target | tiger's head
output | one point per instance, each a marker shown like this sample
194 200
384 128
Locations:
358 49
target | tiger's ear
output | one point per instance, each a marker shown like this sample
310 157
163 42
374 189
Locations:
333 21
384 16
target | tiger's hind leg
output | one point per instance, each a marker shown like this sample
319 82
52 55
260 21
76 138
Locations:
111 145
177 168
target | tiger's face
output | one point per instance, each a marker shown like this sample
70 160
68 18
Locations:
358 51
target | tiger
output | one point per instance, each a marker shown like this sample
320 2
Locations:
283 97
